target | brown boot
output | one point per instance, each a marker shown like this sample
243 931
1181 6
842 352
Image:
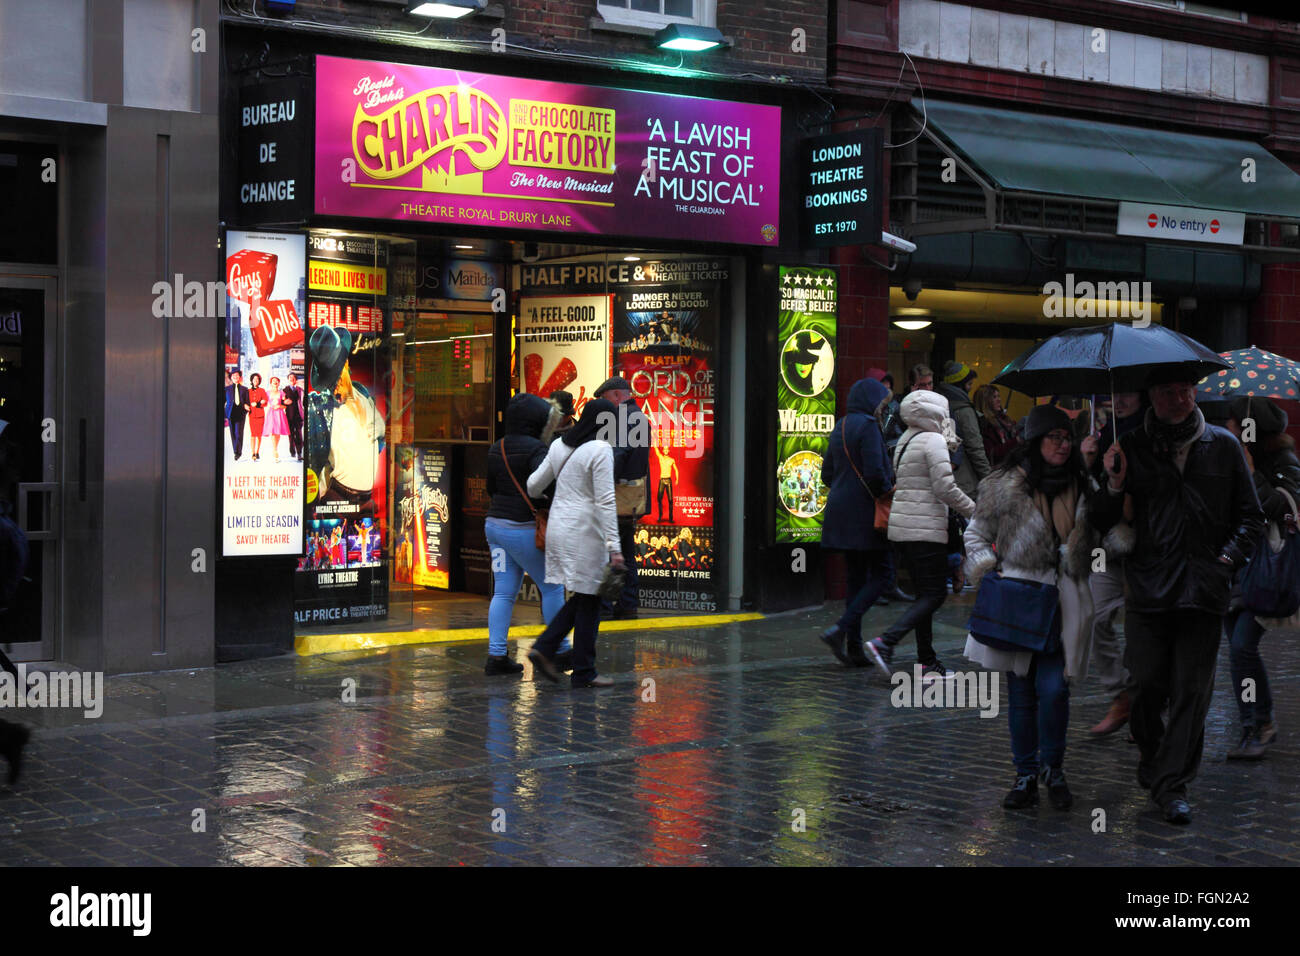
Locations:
1115 718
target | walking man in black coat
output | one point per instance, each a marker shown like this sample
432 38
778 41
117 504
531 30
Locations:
1197 520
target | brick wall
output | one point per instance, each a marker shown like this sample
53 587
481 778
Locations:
761 32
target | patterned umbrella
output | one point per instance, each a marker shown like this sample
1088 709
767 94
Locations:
1254 372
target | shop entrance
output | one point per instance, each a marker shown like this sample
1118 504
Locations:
31 490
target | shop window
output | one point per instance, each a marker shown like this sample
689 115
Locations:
29 210
452 359
657 13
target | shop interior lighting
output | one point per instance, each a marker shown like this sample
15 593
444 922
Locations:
442 9
631 258
460 246
913 325
689 38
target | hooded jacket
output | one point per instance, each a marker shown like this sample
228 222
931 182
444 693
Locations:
975 463
526 418
848 522
925 488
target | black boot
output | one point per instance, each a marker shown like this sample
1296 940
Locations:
1024 794
833 637
1057 792
501 665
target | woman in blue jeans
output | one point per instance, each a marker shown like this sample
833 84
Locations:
1031 519
511 525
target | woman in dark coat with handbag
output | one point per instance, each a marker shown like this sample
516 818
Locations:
857 471
1272 461
511 525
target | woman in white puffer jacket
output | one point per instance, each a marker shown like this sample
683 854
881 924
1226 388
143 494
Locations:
924 490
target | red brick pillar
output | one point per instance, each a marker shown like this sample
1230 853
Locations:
1275 322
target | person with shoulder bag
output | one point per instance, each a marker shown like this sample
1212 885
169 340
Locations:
860 479
1271 459
515 526
924 491
631 487
1033 615
583 552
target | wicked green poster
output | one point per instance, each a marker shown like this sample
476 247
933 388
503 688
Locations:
805 390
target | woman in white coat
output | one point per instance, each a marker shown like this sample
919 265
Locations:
924 491
1032 521
581 538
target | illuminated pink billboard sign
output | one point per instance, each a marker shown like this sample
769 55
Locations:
417 143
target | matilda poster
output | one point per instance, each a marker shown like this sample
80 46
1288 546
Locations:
564 345
262 435
343 576
423 553
805 389
665 340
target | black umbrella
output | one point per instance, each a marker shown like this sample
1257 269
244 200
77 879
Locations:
1107 358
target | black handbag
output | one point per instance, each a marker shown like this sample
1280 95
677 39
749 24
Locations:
611 584
1012 614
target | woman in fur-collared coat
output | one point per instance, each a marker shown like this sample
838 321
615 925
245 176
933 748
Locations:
1031 519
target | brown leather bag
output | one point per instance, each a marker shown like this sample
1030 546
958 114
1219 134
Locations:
539 514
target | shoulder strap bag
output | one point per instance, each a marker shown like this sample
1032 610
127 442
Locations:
539 514
885 502
1270 583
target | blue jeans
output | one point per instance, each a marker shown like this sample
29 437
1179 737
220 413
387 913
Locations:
1244 633
1038 708
514 552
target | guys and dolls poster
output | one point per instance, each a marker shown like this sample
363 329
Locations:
343 576
262 434
805 390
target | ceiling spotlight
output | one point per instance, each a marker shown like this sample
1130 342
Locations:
443 9
689 38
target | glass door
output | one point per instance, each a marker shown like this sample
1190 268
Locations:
29 490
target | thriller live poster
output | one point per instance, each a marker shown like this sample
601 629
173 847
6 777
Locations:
343 576
665 342
805 398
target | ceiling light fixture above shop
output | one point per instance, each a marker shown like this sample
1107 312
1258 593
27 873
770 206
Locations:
631 258
442 9
462 246
689 38
913 325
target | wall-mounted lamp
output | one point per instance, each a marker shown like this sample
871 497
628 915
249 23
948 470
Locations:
444 9
689 38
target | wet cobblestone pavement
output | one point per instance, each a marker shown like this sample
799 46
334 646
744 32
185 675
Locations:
750 724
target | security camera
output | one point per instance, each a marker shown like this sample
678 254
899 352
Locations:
531 253
897 243
911 289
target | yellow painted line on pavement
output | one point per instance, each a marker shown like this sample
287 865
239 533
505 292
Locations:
308 644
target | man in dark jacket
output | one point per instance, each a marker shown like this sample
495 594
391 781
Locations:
958 379
1196 518
631 468
856 471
